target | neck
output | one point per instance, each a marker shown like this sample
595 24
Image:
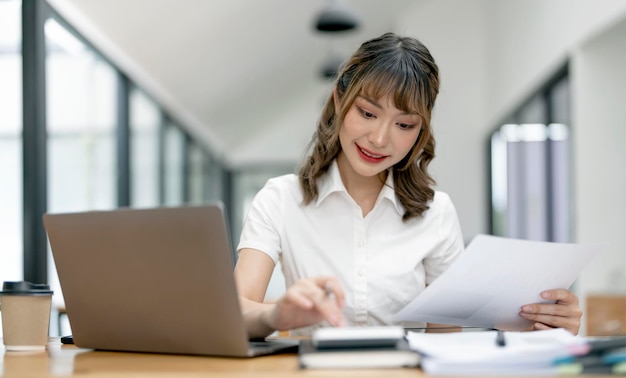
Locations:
363 190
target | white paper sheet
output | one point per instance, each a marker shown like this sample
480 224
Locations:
490 281
476 353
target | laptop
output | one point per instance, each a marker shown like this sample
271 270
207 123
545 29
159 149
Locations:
152 280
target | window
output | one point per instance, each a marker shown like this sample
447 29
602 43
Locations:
77 154
81 109
145 122
530 168
11 245
197 179
174 165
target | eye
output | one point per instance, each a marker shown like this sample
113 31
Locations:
405 126
365 113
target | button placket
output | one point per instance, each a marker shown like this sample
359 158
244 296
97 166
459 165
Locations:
360 276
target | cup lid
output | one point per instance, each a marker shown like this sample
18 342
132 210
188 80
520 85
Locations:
24 287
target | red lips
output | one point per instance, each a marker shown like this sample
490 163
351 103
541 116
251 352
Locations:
369 156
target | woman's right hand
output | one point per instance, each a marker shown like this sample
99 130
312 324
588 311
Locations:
308 302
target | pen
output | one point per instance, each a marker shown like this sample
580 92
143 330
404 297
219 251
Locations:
328 289
500 338
330 294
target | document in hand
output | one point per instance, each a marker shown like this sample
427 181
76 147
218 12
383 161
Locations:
478 353
490 281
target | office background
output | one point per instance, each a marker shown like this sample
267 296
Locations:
150 103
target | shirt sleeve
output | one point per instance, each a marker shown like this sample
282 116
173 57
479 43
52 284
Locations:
261 224
451 239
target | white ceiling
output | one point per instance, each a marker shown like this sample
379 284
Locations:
227 68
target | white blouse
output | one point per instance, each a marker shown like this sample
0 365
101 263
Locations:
382 262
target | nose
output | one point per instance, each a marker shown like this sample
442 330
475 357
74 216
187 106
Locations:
379 136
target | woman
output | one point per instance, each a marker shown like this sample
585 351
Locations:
361 231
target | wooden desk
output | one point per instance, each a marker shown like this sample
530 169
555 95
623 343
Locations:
68 360
64 361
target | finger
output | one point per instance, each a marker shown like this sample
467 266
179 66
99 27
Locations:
331 285
326 305
553 309
560 295
330 312
295 297
569 323
554 321
540 327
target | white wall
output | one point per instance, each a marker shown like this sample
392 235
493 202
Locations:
529 39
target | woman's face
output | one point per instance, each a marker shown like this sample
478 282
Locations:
375 135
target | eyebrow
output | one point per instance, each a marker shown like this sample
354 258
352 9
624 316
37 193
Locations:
376 104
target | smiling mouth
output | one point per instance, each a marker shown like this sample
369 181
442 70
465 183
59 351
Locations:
369 155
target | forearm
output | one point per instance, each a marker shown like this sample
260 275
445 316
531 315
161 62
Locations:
256 316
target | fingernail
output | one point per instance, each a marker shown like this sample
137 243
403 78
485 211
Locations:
545 295
334 320
527 308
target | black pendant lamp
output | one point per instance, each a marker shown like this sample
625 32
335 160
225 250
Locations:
331 66
336 17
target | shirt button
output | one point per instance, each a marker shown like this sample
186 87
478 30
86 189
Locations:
360 273
360 243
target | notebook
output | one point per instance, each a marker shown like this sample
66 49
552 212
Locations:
152 280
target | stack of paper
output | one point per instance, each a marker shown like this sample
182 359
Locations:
478 353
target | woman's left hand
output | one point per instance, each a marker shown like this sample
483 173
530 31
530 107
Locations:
565 313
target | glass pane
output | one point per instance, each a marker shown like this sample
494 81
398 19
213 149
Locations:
213 179
561 194
534 181
523 187
498 183
145 119
81 109
559 100
196 174
174 162
11 229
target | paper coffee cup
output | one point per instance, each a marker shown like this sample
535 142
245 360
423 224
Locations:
25 315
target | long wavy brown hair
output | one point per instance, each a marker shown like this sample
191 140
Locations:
403 68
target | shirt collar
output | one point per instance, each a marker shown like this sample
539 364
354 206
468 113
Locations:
331 182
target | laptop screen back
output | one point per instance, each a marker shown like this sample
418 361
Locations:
149 280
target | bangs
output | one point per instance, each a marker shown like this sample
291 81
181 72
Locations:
399 82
